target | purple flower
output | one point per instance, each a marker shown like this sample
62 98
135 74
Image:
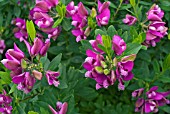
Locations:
5 101
52 32
156 31
119 46
42 6
155 13
42 20
25 82
20 31
137 92
13 58
71 9
129 20
52 78
61 108
2 46
96 42
35 48
153 100
80 17
104 13
79 33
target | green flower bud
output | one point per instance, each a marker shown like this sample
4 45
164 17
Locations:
93 13
23 64
99 69
104 65
106 71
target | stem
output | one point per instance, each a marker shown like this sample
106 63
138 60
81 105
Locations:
117 9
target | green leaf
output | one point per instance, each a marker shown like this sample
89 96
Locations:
59 10
5 77
169 36
31 29
62 84
59 20
13 88
166 63
133 3
66 24
43 111
132 48
99 31
140 39
156 66
55 62
1 20
111 31
133 32
32 112
17 11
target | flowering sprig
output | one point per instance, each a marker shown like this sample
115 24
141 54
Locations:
155 30
106 66
152 101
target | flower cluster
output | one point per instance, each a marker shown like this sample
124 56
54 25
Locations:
153 100
39 14
5 101
2 46
79 19
79 15
61 108
156 29
24 71
20 31
105 71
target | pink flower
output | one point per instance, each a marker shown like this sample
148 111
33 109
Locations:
20 31
119 46
96 42
25 82
52 78
71 9
14 56
5 101
156 31
153 100
129 20
2 46
104 13
52 32
35 48
79 33
61 108
41 19
155 13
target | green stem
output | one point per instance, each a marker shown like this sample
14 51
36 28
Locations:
117 10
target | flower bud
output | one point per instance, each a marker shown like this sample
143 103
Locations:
37 75
103 64
87 31
93 13
99 69
23 64
106 71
